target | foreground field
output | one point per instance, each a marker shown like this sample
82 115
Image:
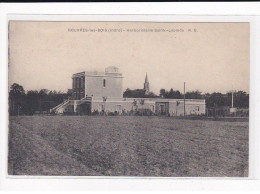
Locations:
126 146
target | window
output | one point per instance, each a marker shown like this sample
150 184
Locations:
162 108
83 82
104 83
77 81
74 83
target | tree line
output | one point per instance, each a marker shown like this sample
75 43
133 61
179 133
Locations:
33 101
41 101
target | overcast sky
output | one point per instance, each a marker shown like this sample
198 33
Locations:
213 57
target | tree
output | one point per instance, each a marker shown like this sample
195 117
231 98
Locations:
150 95
43 98
162 93
241 99
16 99
16 91
171 94
193 95
175 94
137 93
32 102
69 93
216 99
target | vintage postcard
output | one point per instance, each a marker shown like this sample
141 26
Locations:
130 99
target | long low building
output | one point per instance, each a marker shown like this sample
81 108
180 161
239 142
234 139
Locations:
103 93
160 106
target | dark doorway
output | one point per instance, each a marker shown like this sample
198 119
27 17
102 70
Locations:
85 108
162 108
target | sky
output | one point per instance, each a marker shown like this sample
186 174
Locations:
209 57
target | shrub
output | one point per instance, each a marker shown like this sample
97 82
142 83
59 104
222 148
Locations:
95 112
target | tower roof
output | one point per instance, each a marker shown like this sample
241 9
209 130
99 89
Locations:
146 78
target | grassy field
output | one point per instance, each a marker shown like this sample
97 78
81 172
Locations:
126 146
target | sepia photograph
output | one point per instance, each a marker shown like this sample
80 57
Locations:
128 99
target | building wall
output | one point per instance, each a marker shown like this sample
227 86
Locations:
98 84
120 104
176 108
95 86
111 106
173 107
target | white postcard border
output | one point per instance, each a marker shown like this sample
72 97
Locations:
35 182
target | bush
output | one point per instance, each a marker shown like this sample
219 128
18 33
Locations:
115 113
69 113
95 112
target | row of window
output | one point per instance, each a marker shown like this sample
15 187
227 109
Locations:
78 82
78 95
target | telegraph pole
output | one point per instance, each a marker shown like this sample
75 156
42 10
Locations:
184 99
232 98
232 109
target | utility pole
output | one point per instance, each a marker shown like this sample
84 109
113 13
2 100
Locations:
232 98
184 99
232 109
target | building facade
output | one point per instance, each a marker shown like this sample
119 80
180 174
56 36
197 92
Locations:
103 92
98 84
